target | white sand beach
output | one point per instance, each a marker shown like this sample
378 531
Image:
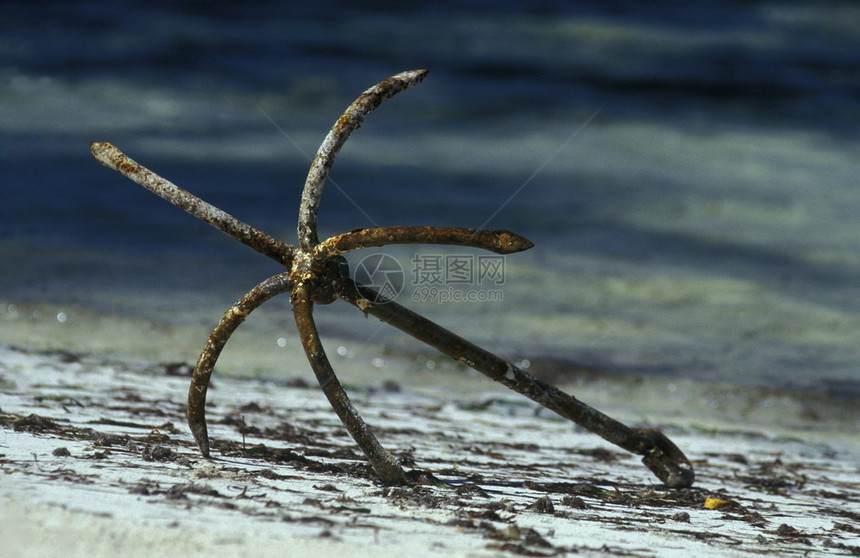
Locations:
97 461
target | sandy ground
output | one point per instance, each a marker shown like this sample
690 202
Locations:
96 460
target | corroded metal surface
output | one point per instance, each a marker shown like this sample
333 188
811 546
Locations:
498 241
316 273
111 157
386 466
237 313
350 120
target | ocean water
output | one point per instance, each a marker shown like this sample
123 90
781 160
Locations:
688 173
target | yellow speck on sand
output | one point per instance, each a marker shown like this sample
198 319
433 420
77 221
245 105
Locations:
714 503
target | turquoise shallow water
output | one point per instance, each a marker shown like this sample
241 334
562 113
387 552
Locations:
688 176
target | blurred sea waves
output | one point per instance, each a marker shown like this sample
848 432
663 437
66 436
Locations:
703 224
